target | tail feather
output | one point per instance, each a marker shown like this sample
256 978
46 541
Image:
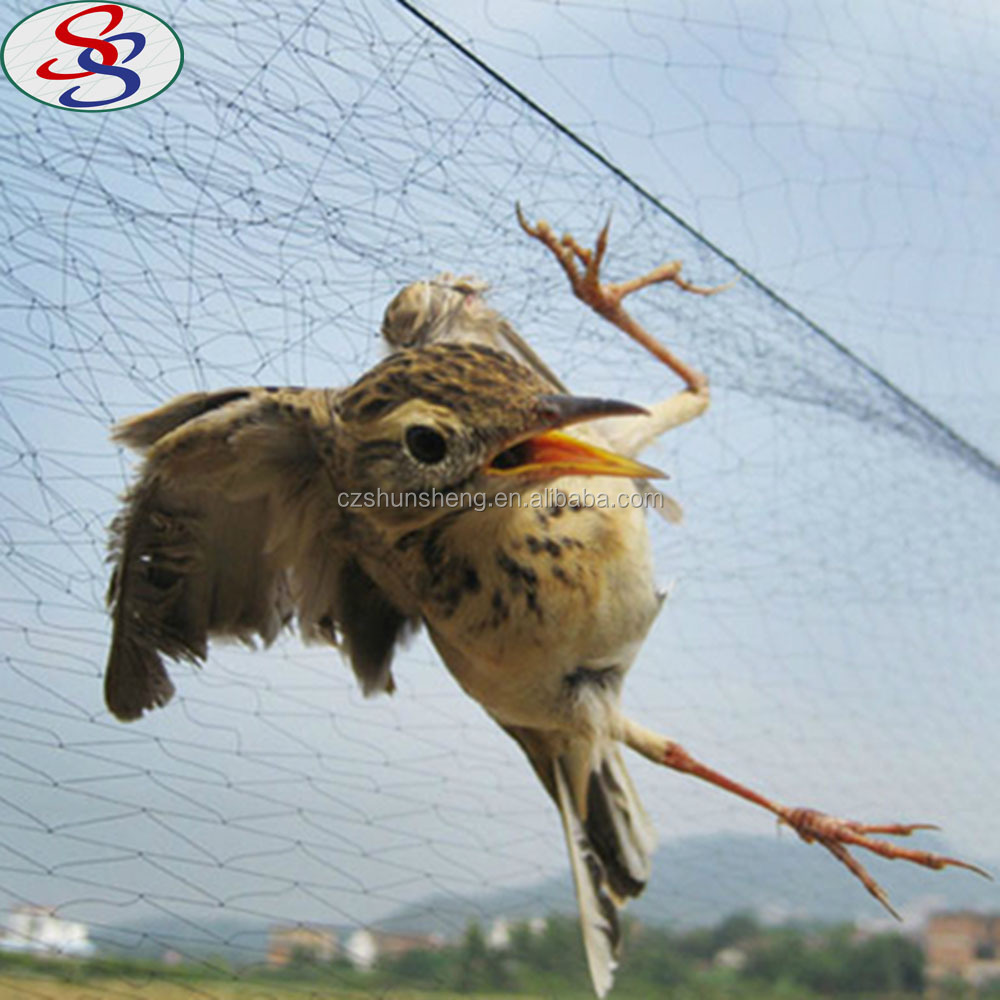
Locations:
598 909
609 838
618 827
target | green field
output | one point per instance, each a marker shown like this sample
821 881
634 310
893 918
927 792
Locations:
38 988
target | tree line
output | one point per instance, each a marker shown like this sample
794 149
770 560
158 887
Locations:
738 957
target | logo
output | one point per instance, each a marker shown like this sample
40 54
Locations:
92 57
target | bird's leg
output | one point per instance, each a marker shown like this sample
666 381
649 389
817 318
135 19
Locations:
606 298
835 834
631 435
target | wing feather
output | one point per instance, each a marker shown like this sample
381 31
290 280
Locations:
232 530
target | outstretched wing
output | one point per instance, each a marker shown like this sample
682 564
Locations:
231 530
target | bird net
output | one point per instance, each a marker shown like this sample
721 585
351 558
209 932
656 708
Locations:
831 632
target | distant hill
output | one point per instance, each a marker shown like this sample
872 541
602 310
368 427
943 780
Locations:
697 881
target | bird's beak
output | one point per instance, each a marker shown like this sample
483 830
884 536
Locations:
549 453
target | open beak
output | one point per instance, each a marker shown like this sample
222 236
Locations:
548 453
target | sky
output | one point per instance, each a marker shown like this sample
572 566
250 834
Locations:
843 152
831 630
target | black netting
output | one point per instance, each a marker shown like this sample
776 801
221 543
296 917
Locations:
832 634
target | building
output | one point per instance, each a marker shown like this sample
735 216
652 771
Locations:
498 936
365 946
963 945
37 930
301 942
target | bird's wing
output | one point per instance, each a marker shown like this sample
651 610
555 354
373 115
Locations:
231 530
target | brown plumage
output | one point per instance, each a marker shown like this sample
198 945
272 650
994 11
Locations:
246 516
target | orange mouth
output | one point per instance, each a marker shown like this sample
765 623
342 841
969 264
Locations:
553 454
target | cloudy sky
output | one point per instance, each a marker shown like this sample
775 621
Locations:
832 628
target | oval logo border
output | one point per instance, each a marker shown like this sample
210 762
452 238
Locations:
91 111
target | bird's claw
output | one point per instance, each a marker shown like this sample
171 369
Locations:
606 298
836 834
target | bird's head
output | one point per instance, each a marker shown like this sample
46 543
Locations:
464 422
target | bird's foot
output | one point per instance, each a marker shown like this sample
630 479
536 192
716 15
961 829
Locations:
836 835
583 267
604 298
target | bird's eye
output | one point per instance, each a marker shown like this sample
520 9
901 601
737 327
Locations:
425 444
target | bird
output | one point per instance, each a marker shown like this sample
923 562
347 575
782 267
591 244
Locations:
442 490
